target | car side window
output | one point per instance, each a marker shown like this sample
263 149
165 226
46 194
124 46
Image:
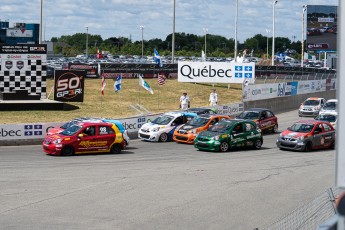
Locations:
178 121
326 127
238 129
214 121
103 130
249 127
318 128
90 131
269 114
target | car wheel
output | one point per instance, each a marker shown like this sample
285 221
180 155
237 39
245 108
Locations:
308 147
67 151
275 129
163 137
258 144
224 146
115 149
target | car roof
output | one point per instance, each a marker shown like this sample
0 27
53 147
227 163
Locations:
257 109
310 121
177 114
315 98
95 123
332 100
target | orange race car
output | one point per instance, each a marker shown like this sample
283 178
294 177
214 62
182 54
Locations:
186 133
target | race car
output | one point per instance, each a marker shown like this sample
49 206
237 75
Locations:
85 137
330 107
202 110
229 134
307 135
186 133
120 127
311 106
329 117
162 128
264 118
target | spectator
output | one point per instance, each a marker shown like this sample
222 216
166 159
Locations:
213 98
184 101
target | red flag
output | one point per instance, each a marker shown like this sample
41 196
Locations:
161 79
103 83
99 55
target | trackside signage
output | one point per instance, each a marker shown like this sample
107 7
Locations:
216 72
25 131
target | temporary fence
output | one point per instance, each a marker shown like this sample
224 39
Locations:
310 215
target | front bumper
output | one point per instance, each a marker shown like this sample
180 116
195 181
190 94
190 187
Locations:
207 145
290 145
185 138
305 112
148 136
51 149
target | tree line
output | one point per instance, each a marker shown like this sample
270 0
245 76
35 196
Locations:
185 45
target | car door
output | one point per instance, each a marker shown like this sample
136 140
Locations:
318 136
264 120
106 136
328 136
238 136
251 134
86 140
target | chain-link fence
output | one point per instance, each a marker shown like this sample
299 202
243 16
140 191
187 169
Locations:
311 215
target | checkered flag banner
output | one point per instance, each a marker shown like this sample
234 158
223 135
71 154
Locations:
161 79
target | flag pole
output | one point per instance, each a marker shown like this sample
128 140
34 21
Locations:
139 89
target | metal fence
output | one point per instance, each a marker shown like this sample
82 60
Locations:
310 215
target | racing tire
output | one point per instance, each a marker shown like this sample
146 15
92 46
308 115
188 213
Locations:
67 151
258 144
224 146
163 137
308 147
115 149
275 129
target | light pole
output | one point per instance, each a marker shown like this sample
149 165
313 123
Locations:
173 37
87 41
273 31
236 17
142 41
268 33
205 31
304 8
40 39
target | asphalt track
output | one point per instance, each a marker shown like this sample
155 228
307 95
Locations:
160 186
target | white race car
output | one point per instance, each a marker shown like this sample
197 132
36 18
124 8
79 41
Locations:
163 127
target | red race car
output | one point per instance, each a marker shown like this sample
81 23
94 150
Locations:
264 118
307 135
85 137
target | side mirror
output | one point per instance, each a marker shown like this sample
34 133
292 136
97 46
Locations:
173 124
80 135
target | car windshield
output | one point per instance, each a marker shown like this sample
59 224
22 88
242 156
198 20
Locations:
251 115
311 102
71 130
326 117
330 106
162 120
221 127
198 121
68 124
301 127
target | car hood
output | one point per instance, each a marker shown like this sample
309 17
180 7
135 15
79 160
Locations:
187 127
292 134
54 131
54 137
149 126
209 134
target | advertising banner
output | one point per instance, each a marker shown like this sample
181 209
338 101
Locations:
91 69
259 91
69 85
322 27
19 33
25 131
216 72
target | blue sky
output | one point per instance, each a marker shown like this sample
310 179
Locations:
114 18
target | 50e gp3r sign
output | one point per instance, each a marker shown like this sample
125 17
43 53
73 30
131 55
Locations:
69 85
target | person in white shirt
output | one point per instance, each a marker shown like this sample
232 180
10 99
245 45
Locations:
213 98
184 101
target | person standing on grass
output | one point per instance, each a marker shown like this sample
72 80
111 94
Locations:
184 101
213 98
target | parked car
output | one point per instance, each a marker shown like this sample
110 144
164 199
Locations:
329 117
264 118
313 32
307 135
311 106
229 134
186 133
162 128
85 137
330 107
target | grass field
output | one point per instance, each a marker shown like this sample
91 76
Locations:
117 105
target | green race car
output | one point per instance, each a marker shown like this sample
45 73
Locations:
229 134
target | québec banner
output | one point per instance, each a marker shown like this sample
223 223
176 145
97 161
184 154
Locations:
216 72
69 85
